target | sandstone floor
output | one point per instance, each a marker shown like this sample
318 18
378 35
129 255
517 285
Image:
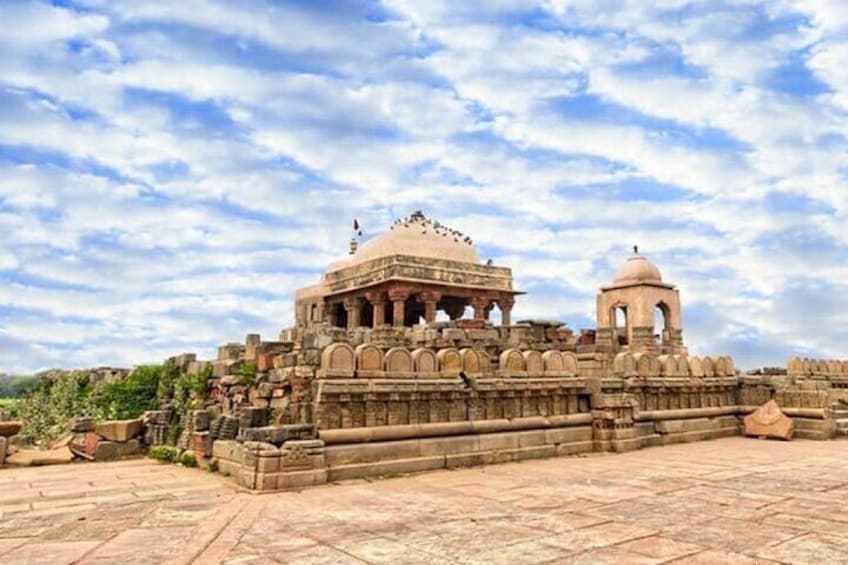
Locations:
727 501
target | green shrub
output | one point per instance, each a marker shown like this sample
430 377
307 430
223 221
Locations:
164 453
188 459
189 390
54 402
168 376
127 398
213 466
247 373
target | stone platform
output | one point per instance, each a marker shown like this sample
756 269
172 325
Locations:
732 500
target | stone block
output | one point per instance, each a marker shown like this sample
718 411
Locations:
35 457
3 446
338 455
9 429
82 425
301 479
268 464
448 445
397 466
769 421
556 436
532 438
266 481
497 442
119 430
251 417
247 478
202 443
200 420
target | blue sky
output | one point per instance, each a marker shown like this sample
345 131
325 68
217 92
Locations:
171 172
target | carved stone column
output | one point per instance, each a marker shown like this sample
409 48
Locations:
351 305
480 303
398 297
378 305
505 305
430 299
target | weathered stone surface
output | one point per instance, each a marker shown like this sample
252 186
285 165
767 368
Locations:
3 442
119 430
35 457
769 421
8 429
82 425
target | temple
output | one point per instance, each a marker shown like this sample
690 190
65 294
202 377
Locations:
405 276
395 364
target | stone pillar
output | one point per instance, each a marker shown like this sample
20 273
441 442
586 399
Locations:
351 305
378 305
398 298
505 305
480 304
430 299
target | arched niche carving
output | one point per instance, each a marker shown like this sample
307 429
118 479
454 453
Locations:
720 367
570 362
647 365
369 361
450 363
709 367
696 367
729 367
554 363
337 360
534 364
511 362
623 365
682 365
470 361
425 362
398 362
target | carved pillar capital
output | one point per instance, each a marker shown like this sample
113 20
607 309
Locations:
376 297
430 299
480 303
396 294
505 304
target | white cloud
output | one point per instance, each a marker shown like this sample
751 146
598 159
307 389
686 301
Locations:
171 173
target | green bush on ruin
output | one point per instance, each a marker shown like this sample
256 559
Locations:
164 453
127 398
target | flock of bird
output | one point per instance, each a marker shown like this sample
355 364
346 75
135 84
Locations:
418 218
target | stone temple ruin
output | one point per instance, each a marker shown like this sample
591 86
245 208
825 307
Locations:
385 373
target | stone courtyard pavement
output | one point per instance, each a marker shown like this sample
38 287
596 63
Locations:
727 501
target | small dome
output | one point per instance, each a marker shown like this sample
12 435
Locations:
637 269
416 236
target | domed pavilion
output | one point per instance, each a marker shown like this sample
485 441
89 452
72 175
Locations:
404 275
638 311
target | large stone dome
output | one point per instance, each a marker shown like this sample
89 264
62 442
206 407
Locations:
637 270
416 236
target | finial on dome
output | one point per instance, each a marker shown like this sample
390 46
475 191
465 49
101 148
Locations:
635 250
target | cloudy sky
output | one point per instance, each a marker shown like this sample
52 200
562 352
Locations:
170 172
